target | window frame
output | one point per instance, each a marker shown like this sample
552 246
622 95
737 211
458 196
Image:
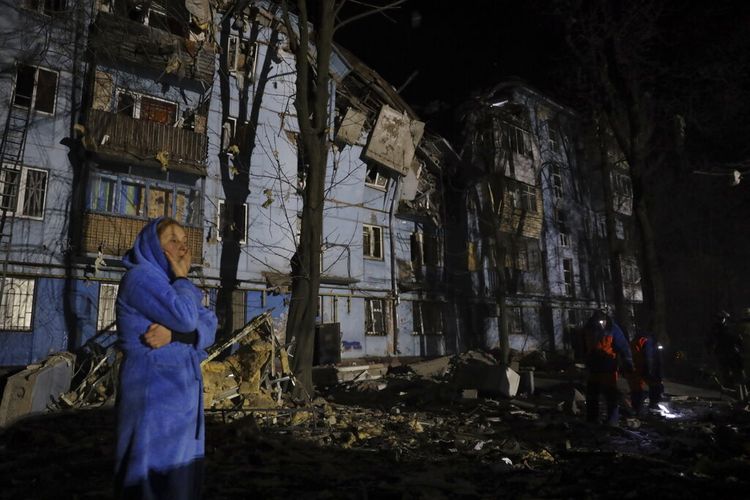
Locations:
107 315
137 104
379 176
435 323
519 136
568 277
219 225
370 320
561 218
515 320
557 182
119 201
527 195
34 93
21 193
368 253
27 321
232 65
555 138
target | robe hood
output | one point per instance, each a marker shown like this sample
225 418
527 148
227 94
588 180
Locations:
147 250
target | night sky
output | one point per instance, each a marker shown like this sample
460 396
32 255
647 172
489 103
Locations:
455 47
696 66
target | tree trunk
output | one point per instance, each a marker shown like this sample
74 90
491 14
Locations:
311 104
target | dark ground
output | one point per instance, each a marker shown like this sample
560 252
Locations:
407 437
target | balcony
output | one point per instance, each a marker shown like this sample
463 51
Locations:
139 141
115 235
118 39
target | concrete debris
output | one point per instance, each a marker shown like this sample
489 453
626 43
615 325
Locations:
254 376
37 388
324 376
432 368
423 435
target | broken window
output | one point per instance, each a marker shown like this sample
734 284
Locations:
528 198
157 110
103 194
17 304
241 55
374 178
159 202
568 276
562 227
372 242
232 221
557 185
142 198
133 199
374 317
187 207
105 318
554 139
156 16
126 104
45 6
519 141
515 320
36 88
427 318
146 108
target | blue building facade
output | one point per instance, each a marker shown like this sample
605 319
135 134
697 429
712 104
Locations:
154 113
165 108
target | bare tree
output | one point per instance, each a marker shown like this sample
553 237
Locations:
611 42
312 26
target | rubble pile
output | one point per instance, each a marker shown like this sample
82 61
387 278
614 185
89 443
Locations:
412 430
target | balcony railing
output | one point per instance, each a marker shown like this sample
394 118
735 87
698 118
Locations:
141 140
115 235
117 38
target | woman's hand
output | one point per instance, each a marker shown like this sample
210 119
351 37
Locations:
180 263
157 336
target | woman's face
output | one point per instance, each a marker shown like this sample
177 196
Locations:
174 241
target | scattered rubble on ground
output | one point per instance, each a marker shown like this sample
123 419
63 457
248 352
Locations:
442 428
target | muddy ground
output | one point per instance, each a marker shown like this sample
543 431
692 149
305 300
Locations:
407 437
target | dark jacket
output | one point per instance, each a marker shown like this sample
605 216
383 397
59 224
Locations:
646 356
604 344
160 432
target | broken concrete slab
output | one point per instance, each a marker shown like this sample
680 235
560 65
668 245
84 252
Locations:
432 368
325 376
488 379
37 387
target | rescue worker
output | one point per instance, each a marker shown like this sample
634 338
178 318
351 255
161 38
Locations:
647 363
605 345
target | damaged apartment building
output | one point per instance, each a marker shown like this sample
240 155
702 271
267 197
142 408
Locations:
127 110
534 259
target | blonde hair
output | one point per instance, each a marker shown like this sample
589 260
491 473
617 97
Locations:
164 224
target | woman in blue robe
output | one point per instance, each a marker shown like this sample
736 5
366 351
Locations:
163 331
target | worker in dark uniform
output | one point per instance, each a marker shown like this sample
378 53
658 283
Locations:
606 346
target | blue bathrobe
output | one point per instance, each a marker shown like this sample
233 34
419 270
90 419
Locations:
160 432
